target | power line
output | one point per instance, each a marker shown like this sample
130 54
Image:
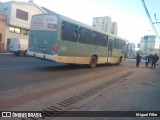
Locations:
149 17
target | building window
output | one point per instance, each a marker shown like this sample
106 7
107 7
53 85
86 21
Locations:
26 32
15 30
11 29
22 14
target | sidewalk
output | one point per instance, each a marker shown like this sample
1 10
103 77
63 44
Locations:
138 92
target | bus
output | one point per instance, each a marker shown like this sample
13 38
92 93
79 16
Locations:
58 38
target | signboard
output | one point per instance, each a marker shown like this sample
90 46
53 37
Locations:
44 22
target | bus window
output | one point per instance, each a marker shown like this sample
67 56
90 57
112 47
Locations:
96 38
84 35
69 32
116 43
104 41
110 46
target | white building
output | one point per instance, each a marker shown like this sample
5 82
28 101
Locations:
105 24
102 23
114 28
147 44
18 16
131 49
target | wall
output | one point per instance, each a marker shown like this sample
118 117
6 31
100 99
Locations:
31 9
2 31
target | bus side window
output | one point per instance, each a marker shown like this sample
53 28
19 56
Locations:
104 41
116 45
84 35
123 48
69 32
110 44
96 38
62 29
75 33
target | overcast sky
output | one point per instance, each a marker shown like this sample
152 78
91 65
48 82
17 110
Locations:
129 14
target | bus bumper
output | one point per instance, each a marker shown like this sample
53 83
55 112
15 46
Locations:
42 56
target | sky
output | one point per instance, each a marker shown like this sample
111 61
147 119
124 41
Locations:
130 15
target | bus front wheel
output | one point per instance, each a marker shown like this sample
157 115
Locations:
93 62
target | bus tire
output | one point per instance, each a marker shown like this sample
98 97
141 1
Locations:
93 62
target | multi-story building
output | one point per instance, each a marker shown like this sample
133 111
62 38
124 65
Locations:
105 24
18 18
131 50
114 28
102 23
147 44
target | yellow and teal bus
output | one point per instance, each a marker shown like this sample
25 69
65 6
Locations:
61 39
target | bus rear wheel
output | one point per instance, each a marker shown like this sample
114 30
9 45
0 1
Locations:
93 62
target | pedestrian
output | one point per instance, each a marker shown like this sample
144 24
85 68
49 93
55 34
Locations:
138 59
150 59
147 60
155 58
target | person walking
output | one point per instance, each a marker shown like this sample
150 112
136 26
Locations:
155 58
150 59
147 60
138 59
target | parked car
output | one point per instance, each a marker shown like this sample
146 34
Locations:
18 46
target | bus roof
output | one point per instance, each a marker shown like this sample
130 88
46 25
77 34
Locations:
82 24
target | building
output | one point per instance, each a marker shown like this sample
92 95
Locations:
147 44
2 31
131 50
105 24
18 18
102 23
114 28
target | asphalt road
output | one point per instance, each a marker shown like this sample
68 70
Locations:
20 72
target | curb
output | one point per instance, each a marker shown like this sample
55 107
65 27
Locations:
5 53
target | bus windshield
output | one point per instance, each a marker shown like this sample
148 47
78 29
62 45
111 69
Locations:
44 22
